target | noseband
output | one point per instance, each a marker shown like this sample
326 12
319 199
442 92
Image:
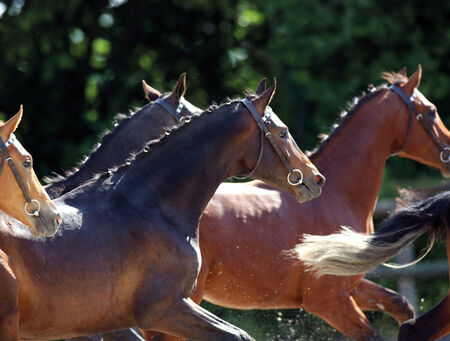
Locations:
5 156
264 130
412 110
174 112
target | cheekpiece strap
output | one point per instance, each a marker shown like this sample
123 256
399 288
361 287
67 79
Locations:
256 115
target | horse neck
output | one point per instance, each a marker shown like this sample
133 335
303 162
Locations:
354 160
128 137
180 175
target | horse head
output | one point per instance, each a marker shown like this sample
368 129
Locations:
22 196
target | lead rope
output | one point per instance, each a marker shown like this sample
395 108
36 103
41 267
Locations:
261 123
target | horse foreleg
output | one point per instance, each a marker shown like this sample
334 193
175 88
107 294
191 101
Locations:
9 306
341 311
196 297
371 296
432 325
184 318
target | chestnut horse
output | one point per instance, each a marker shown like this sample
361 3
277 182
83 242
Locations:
350 253
129 135
127 252
21 194
246 228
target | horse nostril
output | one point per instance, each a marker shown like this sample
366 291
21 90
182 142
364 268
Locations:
320 180
58 219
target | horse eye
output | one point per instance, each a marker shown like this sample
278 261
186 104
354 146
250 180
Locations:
283 134
27 164
432 113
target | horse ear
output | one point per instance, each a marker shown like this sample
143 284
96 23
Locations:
150 93
264 99
261 86
180 87
403 72
11 125
413 81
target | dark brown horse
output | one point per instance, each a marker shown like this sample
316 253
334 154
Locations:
128 136
21 194
127 253
247 228
350 253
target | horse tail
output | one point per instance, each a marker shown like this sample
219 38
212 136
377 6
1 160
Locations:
349 253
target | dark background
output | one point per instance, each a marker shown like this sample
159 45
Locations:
75 64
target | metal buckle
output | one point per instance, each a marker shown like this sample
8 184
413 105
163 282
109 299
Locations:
10 141
299 181
441 155
35 213
179 108
414 95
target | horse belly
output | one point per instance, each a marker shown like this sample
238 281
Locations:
250 288
77 306
78 314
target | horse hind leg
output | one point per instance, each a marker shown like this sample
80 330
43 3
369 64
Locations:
341 311
432 325
371 296
9 307
186 319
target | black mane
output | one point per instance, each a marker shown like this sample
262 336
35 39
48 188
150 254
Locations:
146 150
345 116
119 122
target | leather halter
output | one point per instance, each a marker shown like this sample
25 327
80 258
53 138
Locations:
412 110
264 130
5 156
174 112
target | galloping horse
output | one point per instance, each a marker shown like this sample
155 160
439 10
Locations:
246 228
21 194
127 253
350 253
130 135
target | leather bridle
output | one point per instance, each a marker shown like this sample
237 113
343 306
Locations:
265 131
174 112
6 157
420 117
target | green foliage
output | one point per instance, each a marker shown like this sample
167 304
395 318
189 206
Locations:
75 64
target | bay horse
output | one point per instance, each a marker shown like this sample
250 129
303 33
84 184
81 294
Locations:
247 228
21 194
129 135
127 252
350 253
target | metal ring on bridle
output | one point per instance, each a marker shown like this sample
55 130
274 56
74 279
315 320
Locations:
299 181
441 155
36 212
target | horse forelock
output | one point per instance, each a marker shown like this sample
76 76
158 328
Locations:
394 77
